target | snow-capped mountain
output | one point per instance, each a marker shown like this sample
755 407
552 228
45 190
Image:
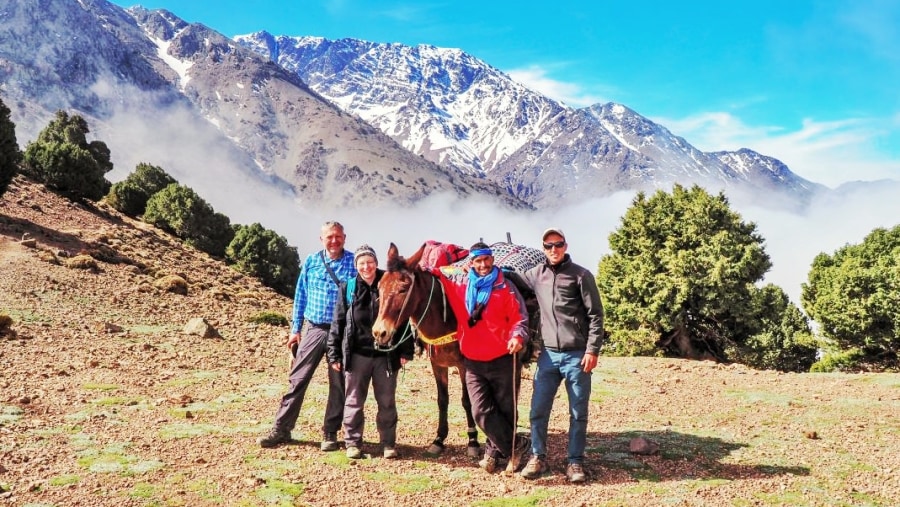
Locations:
187 87
337 123
458 111
440 103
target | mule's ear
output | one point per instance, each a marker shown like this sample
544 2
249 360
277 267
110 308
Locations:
392 251
413 261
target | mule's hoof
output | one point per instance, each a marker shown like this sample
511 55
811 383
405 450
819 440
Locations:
473 451
435 450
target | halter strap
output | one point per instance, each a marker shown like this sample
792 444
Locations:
441 340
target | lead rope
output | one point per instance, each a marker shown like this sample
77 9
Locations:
515 412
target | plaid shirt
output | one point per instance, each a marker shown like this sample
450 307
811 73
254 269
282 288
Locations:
316 291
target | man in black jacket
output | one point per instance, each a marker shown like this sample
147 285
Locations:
571 334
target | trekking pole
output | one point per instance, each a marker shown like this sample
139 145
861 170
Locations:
511 465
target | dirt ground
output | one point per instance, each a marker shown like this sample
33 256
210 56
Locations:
106 400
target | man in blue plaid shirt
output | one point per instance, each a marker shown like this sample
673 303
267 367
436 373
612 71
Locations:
314 300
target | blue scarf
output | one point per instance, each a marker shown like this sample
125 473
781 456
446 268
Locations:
478 291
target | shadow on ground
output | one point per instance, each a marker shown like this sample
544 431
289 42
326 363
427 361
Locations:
681 456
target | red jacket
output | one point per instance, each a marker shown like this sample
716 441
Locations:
504 316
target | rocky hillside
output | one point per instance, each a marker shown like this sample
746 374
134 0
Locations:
107 399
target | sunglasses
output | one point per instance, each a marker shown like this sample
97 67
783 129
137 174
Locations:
555 244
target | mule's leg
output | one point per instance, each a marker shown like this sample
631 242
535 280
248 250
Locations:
473 449
441 379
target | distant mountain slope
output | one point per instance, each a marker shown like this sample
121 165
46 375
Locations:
241 115
456 110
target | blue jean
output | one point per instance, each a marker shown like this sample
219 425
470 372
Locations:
553 368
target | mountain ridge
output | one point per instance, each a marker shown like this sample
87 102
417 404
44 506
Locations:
484 122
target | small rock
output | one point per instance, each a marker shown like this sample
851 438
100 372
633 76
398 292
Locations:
112 328
198 326
810 434
644 446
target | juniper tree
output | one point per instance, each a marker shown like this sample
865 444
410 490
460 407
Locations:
63 159
854 296
10 156
681 275
263 253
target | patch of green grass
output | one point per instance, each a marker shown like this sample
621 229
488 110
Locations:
187 430
266 391
27 317
142 490
531 500
278 491
622 461
113 459
646 487
63 480
207 490
220 403
269 317
644 474
148 329
882 379
81 441
9 414
91 386
760 396
783 498
81 415
271 468
116 401
196 377
405 483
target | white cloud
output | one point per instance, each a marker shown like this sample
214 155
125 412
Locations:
830 153
535 78
792 240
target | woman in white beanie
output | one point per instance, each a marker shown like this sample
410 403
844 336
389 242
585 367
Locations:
351 349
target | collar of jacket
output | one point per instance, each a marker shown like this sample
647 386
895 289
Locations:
563 263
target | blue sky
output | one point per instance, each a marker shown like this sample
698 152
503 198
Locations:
812 83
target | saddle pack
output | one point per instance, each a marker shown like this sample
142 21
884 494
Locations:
513 260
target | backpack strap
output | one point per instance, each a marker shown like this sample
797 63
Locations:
351 289
328 268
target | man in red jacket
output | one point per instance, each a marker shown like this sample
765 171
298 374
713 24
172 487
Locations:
492 328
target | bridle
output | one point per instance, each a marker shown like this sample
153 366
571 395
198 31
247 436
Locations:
441 340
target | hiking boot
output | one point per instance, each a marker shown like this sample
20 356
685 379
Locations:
329 443
575 472
536 467
390 452
275 438
523 445
353 452
488 463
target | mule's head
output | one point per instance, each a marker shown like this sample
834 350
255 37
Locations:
394 289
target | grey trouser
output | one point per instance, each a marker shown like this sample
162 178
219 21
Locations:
309 355
384 386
